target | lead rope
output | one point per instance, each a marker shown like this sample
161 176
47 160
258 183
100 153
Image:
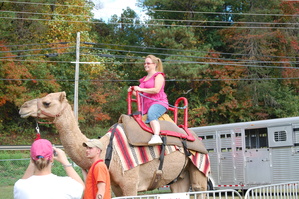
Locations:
37 132
183 107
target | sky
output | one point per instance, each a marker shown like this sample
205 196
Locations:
111 7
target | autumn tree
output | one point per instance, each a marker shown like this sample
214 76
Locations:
263 46
42 48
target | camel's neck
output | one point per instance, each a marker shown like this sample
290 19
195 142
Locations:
68 126
71 136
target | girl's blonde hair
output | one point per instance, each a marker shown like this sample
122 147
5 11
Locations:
41 163
157 61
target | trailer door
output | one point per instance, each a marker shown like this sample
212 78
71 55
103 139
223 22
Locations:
257 157
226 161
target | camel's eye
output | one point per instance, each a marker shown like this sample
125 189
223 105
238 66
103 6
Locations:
46 104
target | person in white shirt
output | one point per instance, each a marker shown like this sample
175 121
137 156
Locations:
39 182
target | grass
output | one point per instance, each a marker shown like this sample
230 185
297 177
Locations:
12 167
6 192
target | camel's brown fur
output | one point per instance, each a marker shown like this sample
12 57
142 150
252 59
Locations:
124 183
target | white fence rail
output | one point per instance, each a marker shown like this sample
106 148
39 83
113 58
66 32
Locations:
20 147
289 190
216 194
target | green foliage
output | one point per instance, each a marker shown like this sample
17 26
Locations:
228 74
189 13
263 45
129 32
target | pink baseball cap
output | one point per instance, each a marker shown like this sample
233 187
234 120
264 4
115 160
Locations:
41 148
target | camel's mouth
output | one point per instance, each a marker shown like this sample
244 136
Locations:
24 115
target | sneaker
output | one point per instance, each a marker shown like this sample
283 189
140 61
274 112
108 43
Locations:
155 140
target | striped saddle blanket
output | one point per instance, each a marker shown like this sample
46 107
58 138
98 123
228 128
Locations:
132 156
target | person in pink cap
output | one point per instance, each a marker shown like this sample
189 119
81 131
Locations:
38 180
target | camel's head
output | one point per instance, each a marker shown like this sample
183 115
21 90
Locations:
46 108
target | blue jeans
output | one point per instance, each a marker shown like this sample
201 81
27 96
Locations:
154 112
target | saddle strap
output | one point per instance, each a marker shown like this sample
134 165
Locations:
109 149
186 151
157 176
162 155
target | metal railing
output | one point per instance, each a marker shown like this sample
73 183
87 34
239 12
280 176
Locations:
21 147
215 194
288 190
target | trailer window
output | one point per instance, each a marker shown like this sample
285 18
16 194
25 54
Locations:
280 136
222 136
208 137
256 138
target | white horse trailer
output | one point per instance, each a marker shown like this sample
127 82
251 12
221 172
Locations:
249 154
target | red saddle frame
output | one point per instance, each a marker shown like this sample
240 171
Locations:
138 117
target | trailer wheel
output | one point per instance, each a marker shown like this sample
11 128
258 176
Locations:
210 185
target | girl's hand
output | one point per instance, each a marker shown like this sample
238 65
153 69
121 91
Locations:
137 88
131 88
60 157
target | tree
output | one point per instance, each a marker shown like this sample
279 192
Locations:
45 67
262 51
198 13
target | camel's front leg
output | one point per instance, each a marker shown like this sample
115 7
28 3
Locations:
123 183
197 178
182 185
130 182
117 190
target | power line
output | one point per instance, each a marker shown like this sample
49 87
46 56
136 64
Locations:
237 61
158 25
45 4
150 48
228 22
41 49
163 20
36 44
213 26
157 10
39 13
183 62
196 57
185 56
178 50
34 55
227 13
244 63
40 61
170 80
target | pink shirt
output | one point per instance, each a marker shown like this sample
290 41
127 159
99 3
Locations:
161 96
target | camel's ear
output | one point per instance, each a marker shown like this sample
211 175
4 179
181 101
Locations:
62 96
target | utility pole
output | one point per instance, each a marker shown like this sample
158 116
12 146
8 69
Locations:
77 76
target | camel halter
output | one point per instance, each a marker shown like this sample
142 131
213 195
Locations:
40 111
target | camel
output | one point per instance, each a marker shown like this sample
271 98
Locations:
55 108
